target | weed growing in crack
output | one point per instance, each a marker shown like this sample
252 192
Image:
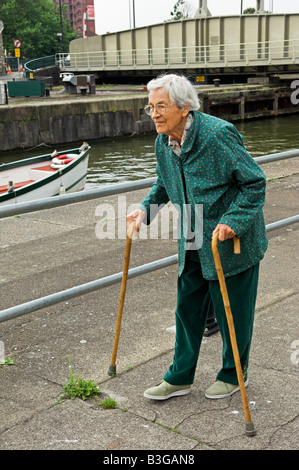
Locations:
78 387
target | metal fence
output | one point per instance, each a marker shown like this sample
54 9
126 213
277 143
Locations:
34 64
219 55
47 203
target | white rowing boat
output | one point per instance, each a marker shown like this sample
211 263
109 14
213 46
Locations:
44 176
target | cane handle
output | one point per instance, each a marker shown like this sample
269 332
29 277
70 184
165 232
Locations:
237 247
131 229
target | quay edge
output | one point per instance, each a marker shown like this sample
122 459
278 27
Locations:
51 120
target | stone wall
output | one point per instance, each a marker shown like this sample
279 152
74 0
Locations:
23 126
86 119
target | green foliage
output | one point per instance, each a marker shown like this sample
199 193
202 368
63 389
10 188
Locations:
177 14
181 10
36 24
79 387
108 403
249 11
84 389
8 362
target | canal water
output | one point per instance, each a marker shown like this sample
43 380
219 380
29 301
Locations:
132 157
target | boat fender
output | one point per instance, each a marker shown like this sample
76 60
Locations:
61 189
10 187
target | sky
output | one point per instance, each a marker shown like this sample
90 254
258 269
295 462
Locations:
114 15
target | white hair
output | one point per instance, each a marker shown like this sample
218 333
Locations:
180 90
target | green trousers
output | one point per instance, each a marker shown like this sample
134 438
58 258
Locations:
193 300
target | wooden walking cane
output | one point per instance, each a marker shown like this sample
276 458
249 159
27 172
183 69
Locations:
130 231
250 431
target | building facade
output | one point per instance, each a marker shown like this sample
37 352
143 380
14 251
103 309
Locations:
75 14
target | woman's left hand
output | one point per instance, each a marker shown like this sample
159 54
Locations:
225 232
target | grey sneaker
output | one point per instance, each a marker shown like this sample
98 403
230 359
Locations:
164 390
222 389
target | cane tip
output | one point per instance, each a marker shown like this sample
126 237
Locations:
112 371
250 430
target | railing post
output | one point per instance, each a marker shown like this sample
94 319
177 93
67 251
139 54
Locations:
150 57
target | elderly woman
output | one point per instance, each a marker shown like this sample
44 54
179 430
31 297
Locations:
202 162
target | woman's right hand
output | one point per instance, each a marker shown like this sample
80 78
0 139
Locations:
137 216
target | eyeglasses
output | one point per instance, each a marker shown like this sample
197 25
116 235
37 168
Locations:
160 109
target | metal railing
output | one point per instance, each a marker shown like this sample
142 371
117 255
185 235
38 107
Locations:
219 55
32 65
110 190
52 299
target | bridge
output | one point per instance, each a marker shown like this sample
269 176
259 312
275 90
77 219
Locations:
206 47
229 58
203 45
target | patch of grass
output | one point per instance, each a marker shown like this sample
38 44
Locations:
84 389
78 387
8 362
108 403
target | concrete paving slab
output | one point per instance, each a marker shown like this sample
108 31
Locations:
77 425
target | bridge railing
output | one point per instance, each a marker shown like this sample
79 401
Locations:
243 54
40 63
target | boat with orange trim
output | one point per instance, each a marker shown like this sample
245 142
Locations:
44 176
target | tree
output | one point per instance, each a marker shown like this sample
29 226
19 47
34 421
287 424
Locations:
249 11
181 10
36 23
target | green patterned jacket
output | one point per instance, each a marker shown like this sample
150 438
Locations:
216 174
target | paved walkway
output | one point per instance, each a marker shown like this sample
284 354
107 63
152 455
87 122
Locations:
49 251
